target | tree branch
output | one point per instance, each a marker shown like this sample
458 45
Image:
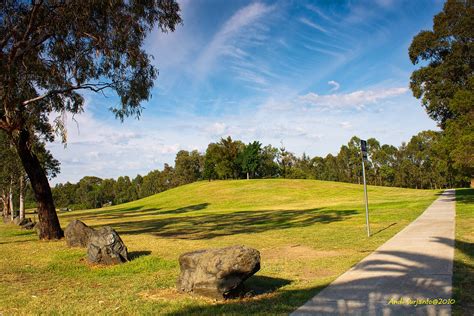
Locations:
96 87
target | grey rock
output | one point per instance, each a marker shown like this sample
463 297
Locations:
106 247
28 224
25 221
217 273
77 234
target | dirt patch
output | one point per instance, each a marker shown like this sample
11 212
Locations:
167 294
309 274
295 252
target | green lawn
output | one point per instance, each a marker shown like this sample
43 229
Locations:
463 279
308 233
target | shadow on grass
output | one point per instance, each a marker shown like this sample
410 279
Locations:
132 255
258 284
385 228
132 212
208 226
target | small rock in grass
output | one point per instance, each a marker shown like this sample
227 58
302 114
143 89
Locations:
29 225
77 234
217 273
106 247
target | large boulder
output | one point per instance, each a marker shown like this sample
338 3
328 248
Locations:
106 247
77 234
217 273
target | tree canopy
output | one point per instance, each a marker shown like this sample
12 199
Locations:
445 82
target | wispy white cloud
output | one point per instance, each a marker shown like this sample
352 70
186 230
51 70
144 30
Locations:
319 12
357 99
335 85
222 42
345 125
313 25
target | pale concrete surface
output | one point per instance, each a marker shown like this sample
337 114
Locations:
417 263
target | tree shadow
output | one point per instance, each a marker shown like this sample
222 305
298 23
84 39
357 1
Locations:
196 207
132 212
132 255
208 226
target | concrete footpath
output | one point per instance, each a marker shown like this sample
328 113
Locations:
415 264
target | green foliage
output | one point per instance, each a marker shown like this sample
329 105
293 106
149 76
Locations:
65 47
223 159
448 51
251 158
445 83
188 166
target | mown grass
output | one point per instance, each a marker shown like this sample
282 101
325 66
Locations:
308 233
463 277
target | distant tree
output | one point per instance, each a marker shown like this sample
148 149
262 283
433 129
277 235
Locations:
445 83
52 50
331 168
87 193
317 168
286 161
107 191
386 159
137 184
228 164
122 190
188 166
302 168
268 164
150 184
251 159
211 157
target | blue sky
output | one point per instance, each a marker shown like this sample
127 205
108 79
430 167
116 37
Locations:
308 74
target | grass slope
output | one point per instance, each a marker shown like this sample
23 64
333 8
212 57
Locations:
308 233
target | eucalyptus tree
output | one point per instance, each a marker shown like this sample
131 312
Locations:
51 51
445 82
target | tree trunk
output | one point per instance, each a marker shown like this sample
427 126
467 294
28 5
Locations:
10 201
22 198
248 177
6 204
49 227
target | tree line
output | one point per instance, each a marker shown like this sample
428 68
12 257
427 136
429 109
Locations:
422 163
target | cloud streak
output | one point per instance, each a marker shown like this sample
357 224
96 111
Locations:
222 42
357 99
313 25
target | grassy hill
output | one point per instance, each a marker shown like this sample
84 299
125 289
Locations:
308 233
